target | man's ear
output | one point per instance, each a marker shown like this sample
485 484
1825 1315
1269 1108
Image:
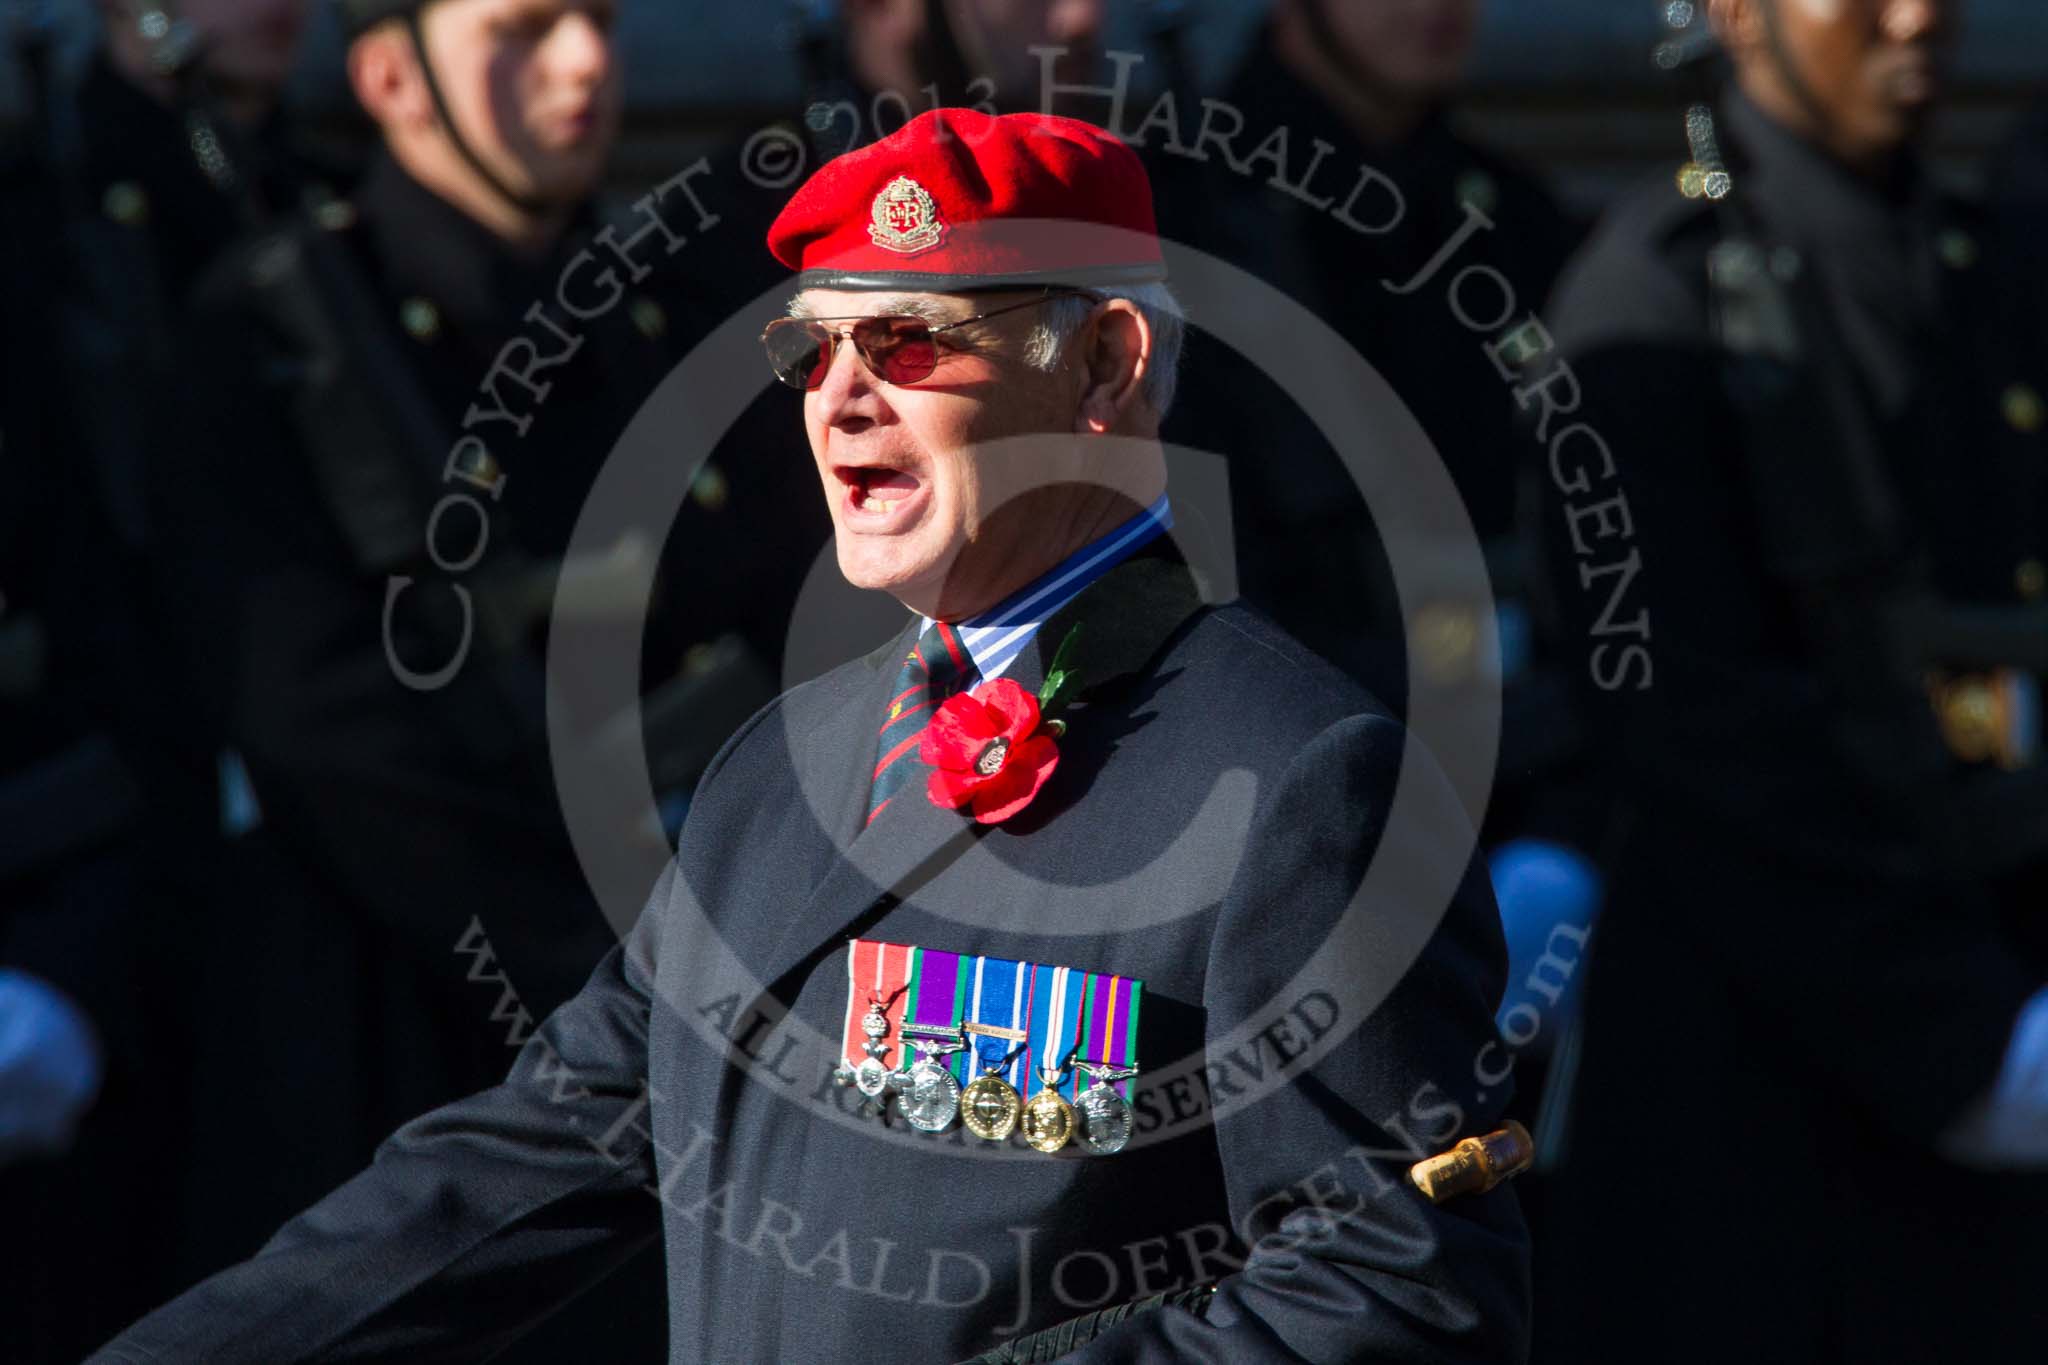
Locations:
1114 350
1739 24
385 75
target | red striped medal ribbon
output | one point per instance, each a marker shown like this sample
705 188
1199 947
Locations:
876 975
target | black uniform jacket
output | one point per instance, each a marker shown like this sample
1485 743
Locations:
297 647
1810 962
1377 264
379 797
1218 796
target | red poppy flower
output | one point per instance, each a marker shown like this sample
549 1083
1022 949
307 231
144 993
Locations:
987 752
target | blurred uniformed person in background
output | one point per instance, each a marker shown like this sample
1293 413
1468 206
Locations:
117 188
868 67
1363 91
1804 524
129 184
397 410
1383 201
893 55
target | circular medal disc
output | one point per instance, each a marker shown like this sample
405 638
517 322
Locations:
989 1107
1105 1120
931 1101
871 1078
1048 1121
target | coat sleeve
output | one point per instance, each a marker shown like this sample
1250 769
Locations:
473 1222
1346 1260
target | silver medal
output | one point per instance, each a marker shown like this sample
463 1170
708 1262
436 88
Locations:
931 1097
871 1078
1104 1116
1105 1120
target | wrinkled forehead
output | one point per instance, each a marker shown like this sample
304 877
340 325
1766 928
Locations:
868 303
1824 12
1820 11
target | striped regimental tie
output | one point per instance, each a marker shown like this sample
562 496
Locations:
936 669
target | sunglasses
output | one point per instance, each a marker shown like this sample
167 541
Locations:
896 347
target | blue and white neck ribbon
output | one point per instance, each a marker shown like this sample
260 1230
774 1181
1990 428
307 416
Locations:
994 638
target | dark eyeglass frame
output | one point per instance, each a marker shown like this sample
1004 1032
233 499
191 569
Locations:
879 338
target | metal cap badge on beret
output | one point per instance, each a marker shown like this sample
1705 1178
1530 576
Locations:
957 199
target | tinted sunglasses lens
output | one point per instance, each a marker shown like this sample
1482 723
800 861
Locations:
900 350
798 351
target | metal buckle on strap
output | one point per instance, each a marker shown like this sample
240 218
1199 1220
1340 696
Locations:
1992 717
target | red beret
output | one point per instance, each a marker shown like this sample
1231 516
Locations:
957 199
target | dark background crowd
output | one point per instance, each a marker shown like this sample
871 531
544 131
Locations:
1725 320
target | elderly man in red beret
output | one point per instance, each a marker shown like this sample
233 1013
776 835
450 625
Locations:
1078 975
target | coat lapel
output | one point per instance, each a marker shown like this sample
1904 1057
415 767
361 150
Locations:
1124 619
876 865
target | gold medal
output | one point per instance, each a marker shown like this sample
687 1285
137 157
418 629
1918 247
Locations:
990 1107
1048 1121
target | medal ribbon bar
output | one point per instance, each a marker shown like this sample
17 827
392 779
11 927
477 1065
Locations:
876 974
1058 998
1016 1016
1109 1026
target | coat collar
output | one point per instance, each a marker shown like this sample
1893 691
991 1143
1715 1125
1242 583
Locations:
1801 183
431 249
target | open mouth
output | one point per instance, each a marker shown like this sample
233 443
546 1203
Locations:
879 497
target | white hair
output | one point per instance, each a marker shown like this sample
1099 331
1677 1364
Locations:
1062 318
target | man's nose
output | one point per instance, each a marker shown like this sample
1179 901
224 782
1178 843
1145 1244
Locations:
581 49
848 393
1074 21
1908 21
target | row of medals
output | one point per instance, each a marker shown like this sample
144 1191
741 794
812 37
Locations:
990 1107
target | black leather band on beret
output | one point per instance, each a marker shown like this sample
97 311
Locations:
925 282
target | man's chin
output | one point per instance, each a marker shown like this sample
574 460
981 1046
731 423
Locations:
573 174
872 572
